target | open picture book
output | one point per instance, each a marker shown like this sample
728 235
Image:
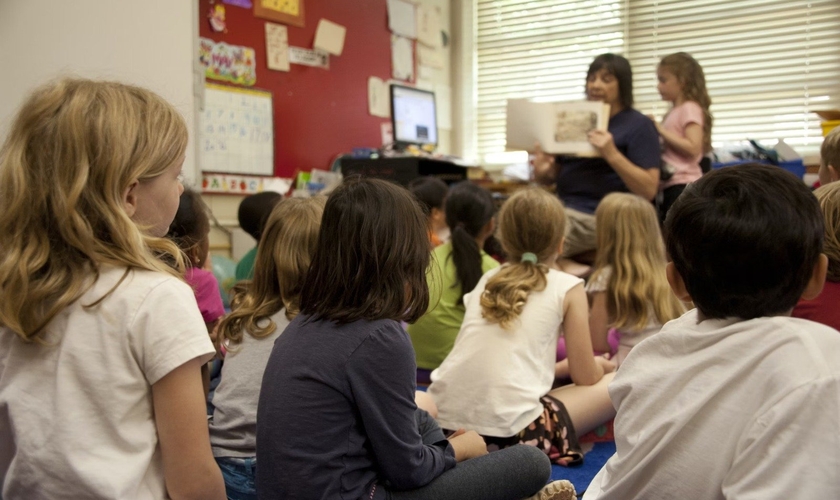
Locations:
561 128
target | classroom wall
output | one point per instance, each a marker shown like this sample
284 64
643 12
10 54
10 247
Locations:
149 43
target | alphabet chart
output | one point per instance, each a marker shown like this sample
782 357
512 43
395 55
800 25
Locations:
236 132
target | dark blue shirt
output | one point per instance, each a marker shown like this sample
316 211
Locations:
582 182
336 414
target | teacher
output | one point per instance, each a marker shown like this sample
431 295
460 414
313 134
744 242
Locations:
629 156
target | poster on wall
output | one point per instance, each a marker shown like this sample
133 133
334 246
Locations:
277 47
228 63
309 57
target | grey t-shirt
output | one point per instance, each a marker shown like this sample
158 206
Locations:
233 429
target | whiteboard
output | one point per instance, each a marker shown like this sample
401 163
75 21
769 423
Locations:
236 133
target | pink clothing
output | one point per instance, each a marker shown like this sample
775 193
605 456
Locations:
207 293
686 168
824 308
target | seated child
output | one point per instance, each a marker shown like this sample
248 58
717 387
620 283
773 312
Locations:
823 308
830 158
734 399
431 193
252 214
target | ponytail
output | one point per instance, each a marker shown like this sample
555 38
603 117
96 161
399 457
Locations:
469 208
507 291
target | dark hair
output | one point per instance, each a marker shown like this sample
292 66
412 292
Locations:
745 240
254 210
469 208
429 191
191 223
372 255
619 67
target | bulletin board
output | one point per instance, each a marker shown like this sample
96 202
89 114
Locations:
236 132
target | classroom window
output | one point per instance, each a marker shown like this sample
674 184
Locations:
769 63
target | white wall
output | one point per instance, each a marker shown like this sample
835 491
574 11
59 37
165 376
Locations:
148 43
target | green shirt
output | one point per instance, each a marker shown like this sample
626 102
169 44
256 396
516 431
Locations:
245 267
433 335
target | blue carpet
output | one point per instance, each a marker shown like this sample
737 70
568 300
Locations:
582 475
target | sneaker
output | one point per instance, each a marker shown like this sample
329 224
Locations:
556 490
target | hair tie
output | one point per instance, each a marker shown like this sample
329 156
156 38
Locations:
529 257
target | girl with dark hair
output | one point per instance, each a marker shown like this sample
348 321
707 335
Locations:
628 160
336 415
456 268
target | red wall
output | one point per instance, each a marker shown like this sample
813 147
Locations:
318 113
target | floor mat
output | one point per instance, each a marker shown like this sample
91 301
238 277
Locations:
582 475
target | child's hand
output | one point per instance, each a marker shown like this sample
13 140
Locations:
467 445
605 363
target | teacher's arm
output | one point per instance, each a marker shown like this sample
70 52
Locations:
641 181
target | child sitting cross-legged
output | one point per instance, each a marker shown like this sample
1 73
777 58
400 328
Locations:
735 399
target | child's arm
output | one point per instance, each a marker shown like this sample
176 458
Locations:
583 368
599 322
690 145
189 469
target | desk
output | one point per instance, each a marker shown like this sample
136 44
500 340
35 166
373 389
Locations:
403 169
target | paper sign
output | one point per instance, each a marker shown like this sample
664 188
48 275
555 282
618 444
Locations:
378 98
307 57
229 63
329 37
402 19
402 58
277 46
428 26
430 57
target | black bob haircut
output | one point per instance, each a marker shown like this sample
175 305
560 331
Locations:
429 191
619 67
745 240
372 255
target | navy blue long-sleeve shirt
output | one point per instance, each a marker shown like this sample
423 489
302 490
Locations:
336 414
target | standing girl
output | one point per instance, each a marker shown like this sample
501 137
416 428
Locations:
262 309
456 268
336 415
101 342
498 377
686 129
628 289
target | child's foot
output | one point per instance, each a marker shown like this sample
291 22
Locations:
556 490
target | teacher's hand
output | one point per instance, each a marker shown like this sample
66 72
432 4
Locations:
603 141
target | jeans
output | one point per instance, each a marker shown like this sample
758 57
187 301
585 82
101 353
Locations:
240 475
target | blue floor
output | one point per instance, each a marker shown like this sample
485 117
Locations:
582 475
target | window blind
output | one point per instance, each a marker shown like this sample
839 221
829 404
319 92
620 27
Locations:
768 63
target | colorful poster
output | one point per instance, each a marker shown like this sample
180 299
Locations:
243 184
228 63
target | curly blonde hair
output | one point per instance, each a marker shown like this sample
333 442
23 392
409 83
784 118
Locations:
693 81
531 220
74 148
285 251
829 198
631 249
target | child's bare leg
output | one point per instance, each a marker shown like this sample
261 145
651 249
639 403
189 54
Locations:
425 402
588 405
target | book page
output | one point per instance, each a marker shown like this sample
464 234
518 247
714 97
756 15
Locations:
559 127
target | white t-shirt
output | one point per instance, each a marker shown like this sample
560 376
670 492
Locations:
76 415
727 409
493 379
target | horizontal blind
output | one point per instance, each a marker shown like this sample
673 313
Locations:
768 63
537 49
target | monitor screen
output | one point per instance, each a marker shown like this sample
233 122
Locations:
413 116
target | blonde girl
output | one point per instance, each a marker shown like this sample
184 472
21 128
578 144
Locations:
262 308
498 377
686 129
101 342
628 290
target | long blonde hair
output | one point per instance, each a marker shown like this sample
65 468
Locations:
74 148
829 198
283 256
630 245
690 75
534 221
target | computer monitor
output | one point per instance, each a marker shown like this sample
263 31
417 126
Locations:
413 116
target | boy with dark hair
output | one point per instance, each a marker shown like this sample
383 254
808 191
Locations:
252 214
735 399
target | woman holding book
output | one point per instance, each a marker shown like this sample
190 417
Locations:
628 155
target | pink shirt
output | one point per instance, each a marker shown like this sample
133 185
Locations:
207 294
686 168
